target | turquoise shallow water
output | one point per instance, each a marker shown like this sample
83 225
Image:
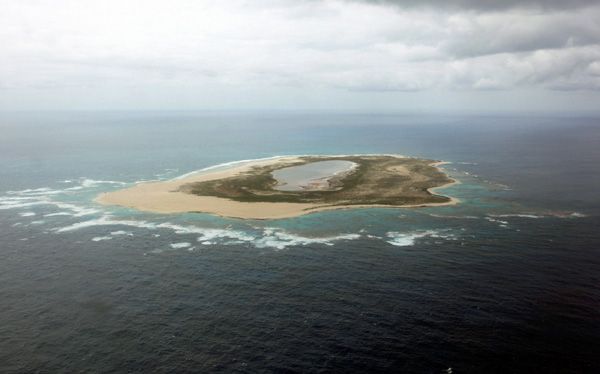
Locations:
505 281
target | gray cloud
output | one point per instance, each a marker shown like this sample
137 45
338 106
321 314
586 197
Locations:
303 49
485 5
521 32
575 68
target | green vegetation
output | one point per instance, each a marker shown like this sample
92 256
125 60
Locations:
377 180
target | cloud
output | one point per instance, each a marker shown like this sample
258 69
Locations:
473 35
569 69
294 47
485 5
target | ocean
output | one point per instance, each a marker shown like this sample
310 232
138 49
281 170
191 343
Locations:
507 281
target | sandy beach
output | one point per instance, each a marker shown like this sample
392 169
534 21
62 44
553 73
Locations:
164 197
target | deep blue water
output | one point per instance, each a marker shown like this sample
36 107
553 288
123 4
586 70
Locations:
507 281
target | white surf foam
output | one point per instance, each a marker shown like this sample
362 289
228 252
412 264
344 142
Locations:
180 245
121 232
546 214
77 210
36 193
48 196
101 238
452 216
496 220
269 238
20 204
527 216
403 240
227 166
15 199
58 214
406 239
87 183
521 215
29 190
280 239
106 220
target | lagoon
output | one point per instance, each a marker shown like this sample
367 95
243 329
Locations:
313 176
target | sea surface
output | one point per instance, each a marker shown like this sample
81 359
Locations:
507 281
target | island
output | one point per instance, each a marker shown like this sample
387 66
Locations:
292 186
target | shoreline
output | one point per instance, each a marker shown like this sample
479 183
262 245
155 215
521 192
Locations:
164 197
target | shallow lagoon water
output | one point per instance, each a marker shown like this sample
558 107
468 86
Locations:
297 178
505 281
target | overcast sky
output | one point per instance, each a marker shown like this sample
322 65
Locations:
300 54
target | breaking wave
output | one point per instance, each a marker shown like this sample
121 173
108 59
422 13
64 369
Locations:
270 237
405 239
226 166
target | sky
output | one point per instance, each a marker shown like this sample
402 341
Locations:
371 55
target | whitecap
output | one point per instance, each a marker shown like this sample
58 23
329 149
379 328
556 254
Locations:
107 220
86 182
27 214
78 211
58 214
271 237
403 240
280 239
100 238
496 220
453 216
16 204
85 224
409 238
37 192
121 232
181 245
29 190
16 199
520 215
211 234
527 216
